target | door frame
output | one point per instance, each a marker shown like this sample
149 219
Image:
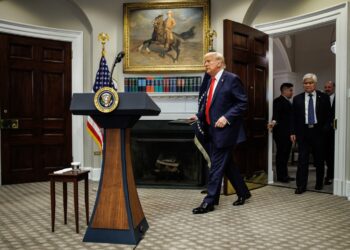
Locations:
76 38
337 14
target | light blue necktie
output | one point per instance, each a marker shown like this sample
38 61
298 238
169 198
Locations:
311 111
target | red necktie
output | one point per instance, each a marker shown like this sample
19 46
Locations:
210 96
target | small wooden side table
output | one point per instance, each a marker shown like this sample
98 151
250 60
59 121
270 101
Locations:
70 176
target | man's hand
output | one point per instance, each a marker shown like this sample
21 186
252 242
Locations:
221 122
194 118
270 125
293 138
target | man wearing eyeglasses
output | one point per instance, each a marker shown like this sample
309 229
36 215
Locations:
310 121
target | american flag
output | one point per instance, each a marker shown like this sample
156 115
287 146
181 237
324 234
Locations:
102 76
102 80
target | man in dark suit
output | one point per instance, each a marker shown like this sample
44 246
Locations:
280 125
221 116
310 121
329 89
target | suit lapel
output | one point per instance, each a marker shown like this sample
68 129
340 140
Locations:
285 101
204 97
303 104
318 97
205 94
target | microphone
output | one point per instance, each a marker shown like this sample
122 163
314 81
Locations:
118 59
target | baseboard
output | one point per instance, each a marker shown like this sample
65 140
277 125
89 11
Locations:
95 173
347 191
341 189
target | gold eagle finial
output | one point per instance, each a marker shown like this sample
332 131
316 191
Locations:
103 38
211 34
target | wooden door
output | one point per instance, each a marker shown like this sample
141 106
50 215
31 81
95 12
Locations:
35 83
245 51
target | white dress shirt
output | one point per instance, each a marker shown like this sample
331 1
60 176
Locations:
331 98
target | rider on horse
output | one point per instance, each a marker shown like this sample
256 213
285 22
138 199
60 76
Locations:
169 24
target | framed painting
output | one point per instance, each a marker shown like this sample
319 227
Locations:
166 36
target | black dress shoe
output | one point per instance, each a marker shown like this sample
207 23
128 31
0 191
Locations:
286 179
283 180
216 202
203 208
319 187
299 190
205 191
241 200
327 181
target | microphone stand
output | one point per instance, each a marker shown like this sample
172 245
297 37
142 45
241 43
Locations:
111 78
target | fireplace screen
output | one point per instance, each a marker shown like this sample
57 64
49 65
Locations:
165 155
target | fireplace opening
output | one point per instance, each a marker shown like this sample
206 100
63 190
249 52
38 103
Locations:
165 155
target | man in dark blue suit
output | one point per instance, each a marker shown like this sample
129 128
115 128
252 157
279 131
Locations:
310 122
221 117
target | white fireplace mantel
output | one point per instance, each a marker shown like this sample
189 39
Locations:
174 105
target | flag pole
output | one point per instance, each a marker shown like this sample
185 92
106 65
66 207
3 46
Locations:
92 127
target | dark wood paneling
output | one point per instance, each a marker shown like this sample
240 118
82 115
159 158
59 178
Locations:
21 97
240 41
21 158
245 52
53 105
259 47
22 51
52 156
259 87
53 55
36 82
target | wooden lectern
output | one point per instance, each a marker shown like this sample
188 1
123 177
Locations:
117 216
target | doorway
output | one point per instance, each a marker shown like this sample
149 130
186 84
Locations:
295 54
338 15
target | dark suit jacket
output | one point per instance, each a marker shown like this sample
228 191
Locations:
229 100
282 111
332 112
323 110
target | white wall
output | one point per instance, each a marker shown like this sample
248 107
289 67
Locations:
313 54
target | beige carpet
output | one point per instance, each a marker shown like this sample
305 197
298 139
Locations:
274 218
256 181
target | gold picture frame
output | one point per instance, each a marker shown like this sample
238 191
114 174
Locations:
167 36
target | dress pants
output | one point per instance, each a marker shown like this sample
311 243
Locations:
222 163
283 147
310 142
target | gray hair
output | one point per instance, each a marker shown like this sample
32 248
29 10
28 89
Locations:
218 56
310 76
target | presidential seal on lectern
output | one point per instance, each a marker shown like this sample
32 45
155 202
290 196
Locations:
106 99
